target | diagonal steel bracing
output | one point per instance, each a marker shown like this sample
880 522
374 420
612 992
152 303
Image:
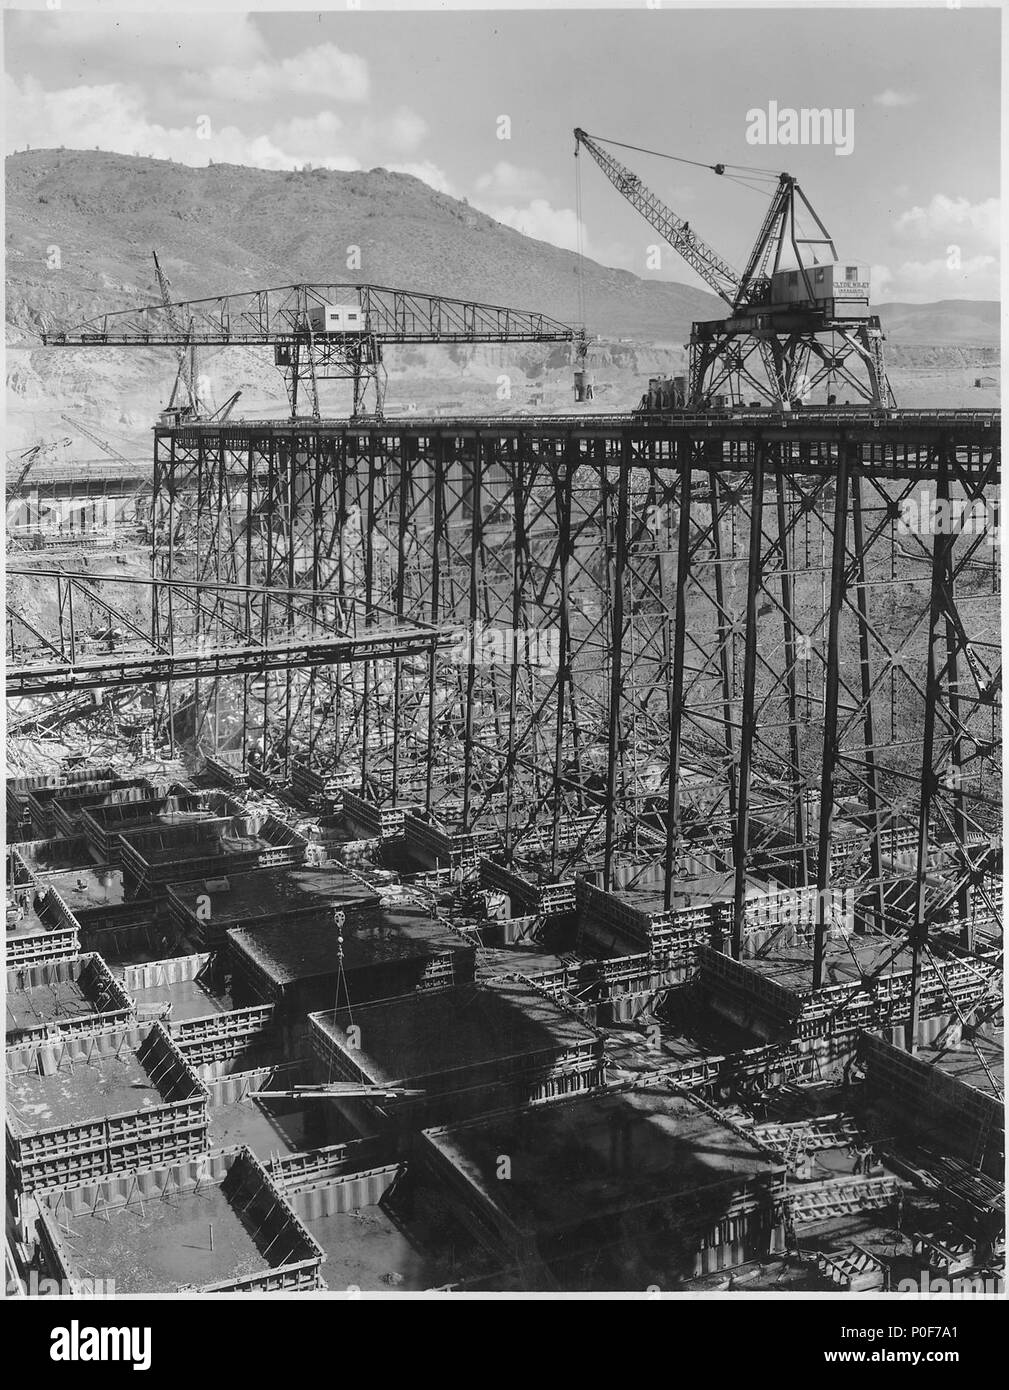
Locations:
685 647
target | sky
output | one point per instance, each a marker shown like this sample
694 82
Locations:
424 92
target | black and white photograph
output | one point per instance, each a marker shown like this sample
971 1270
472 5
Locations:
503 611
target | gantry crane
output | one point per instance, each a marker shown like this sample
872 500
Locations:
318 332
791 329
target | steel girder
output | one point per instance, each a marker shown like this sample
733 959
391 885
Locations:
683 648
782 366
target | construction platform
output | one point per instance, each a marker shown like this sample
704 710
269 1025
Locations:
57 810
627 1189
39 926
273 1127
42 859
935 1108
87 887
308 964
206 910
467 1048
104 822
867 985
236 1055
152 859
57 998
19 789
97 1103
627 923
213 1224
382 1229
181 987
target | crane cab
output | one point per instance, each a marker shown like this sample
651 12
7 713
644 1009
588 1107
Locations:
336 318
840 288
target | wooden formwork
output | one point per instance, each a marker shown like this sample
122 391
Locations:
717 1224
928 1100
670 935
291 1258
19 789
340 1193
757 1001
313 784
383 821
103 824
512 1043
222 1037
439 846
43 1157
846 1196
543 899
89 973
226 770
298 1170
152 859
37 858
746 995
59 935
118 930
67 806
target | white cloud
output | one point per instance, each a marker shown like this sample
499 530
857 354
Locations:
310 135
112 117
952 219
891 99
540 220
324 70
976 277
509 183
401 131
880 279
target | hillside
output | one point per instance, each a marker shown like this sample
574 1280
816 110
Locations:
229 228
948 322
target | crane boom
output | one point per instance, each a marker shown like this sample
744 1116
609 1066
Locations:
102 443
713 269
29 459
185 377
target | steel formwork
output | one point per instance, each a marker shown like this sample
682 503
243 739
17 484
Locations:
766 645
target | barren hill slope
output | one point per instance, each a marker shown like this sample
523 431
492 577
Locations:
81 226
228 228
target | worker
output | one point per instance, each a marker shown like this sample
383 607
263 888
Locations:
898 1212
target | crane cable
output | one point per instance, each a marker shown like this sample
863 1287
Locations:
680 159
579 242
339 921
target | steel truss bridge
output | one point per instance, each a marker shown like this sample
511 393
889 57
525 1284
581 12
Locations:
655 649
